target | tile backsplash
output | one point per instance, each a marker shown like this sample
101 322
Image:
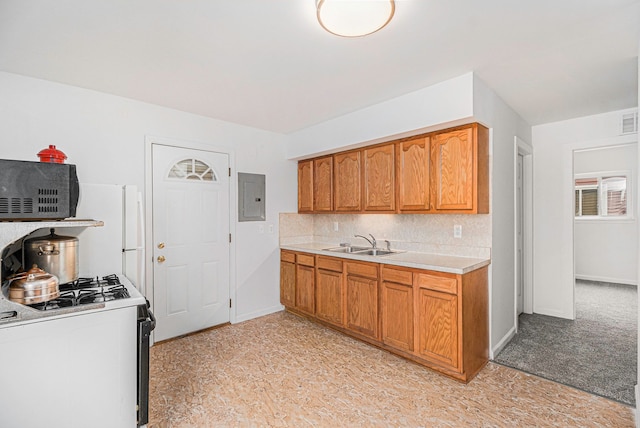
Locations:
429 233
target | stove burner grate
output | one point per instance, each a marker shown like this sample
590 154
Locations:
84 291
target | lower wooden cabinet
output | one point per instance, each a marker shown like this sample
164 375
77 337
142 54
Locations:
397 315
437 327
288 279
330 291
362 304
437 319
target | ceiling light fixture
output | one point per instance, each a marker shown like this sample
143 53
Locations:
354 18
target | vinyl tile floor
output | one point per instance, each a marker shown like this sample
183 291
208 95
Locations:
281 370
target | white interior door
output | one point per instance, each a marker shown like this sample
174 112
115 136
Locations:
190 240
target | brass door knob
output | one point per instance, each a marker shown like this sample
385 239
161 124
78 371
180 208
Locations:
161 245
161 259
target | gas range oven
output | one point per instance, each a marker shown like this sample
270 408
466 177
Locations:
101 321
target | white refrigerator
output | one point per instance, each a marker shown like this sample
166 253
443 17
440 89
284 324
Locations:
118 246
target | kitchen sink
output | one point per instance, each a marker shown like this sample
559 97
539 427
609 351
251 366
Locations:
363 251
346 249
374 252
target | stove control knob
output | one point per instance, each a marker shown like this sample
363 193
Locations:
161 259
161 245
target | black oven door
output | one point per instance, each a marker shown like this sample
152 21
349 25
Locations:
146 324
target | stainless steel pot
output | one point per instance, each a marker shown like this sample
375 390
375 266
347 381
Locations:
56 254
33 286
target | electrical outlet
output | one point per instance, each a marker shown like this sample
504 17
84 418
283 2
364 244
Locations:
335 226
457 231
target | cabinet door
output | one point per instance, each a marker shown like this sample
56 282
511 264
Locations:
437 327
305 186
413 175
362 305
379 178
330 296
452 154
305 286
347 187
323 184
288 284
397 315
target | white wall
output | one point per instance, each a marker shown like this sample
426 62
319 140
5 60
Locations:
104 136
553 145
449 102
505 124
606 250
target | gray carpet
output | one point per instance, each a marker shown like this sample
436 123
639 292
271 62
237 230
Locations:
597 352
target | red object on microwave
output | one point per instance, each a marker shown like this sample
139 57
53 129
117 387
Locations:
51 155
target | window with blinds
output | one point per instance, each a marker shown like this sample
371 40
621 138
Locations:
602 195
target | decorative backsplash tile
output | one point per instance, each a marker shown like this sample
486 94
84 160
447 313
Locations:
429 233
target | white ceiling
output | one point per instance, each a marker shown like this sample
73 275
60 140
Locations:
268 64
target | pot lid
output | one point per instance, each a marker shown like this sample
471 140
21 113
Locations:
52 237
52 155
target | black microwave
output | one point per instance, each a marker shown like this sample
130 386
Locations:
37 190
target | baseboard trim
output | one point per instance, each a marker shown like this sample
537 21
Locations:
257 314
607 279
503 342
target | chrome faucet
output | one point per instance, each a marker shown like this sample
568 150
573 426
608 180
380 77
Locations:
372 241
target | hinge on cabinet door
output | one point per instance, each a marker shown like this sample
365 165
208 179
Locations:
229 238
229 172
229 302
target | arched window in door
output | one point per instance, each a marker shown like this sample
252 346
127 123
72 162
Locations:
192 169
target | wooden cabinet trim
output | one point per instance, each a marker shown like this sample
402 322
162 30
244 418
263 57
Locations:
369 270
437 282
329 263
399 276
305 259
287 256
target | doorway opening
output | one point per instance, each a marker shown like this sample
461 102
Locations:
523 199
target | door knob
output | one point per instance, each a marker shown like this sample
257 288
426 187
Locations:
161 259
161 245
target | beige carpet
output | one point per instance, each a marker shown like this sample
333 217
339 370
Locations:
284 371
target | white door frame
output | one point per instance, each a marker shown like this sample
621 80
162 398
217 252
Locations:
526 150
148 226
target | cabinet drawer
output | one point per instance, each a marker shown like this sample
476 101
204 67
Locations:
367 270
438 283
396 275
328 263
286 256
305 259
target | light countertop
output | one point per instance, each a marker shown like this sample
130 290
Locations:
411 259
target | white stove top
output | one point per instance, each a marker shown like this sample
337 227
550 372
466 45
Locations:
14 314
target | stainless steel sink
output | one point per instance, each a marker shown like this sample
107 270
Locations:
363 251
374 252
345 249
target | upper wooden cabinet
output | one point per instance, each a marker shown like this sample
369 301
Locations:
347 184
305 186
413 175
440 172
323 184
379 178
460 170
